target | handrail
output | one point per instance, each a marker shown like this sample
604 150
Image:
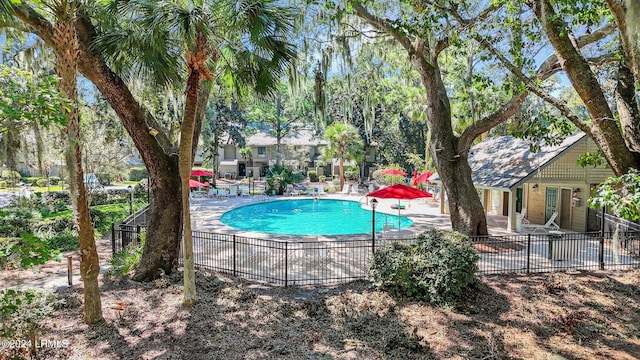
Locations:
630 225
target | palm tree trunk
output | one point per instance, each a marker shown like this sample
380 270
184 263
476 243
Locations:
341 172
196 64
66 67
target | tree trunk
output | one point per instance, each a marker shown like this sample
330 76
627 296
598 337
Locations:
604 130
66 66
465 208
628 108
627 17
163 233
197 70
39 149
341 172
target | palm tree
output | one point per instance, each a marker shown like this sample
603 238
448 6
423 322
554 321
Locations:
66 67
192 28
344 143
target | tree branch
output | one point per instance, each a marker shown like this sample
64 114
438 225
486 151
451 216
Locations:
385 26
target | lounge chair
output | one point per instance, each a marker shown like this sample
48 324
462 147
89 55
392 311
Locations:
244 191
288 191
345 190
233 190
221 192
320 190
355 190
331 187
211 193
550 225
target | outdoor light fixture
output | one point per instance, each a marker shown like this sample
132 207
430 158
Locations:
575 197
374 204
153 132
130 188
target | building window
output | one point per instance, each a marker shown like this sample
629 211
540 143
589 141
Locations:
262 150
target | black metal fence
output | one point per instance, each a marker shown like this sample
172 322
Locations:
328 262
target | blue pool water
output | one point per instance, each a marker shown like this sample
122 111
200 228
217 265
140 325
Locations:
308 217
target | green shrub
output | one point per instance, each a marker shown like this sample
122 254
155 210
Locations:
12 177
26 251
104 178
313 175
21 315
322 178
65 241
439 268
32 180
125 262
350 173
297 177
41 182
3 184
137 173
54 180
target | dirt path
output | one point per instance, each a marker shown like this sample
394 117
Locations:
53 274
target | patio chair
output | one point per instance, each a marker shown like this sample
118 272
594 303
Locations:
355 190
331 186
244 191
221 192
211 193
550 225
320 190
345 190
233 190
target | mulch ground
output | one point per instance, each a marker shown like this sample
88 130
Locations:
580 315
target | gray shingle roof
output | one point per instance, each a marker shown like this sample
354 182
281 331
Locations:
504 161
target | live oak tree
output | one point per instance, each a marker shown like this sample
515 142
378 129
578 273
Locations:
101 59
567 26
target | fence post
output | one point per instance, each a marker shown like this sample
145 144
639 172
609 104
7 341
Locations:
113 239
138 234
528 252
603 221
286 264
234 255
601 255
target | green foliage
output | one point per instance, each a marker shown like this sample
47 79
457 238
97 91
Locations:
322 178
620 194
125 262
54 180
41 182
137 173
313 176
22 312
26 251
439 268
65 241
24 98
592 159
11 177
3 183
279 176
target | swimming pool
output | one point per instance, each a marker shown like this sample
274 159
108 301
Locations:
308 217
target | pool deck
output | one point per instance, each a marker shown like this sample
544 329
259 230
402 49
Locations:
206 213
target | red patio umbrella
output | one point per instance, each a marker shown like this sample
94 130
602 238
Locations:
195 184
201 173
400 192
393 172
424 177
